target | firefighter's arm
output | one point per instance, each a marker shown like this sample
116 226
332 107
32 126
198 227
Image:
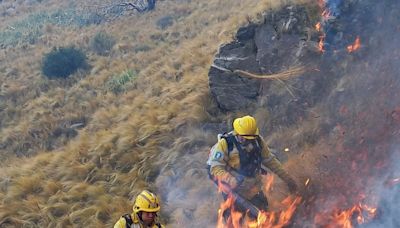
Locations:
272 163
218 161
121 223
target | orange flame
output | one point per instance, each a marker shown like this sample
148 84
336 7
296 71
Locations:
321 43
307 182
279 219
225 205
354 47
318 26
273 219
360 212
268 180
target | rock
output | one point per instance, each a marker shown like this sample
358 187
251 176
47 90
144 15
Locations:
266 48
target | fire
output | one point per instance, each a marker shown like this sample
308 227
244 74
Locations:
268 180
355 46
321 43
279 219
359 213
273 219
318 26
307 182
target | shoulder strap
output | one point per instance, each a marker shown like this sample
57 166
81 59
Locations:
128 220
258 138
230 140
158 225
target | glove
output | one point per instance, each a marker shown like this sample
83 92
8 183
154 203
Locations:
292 186
231 181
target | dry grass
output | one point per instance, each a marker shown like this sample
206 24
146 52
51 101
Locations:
281 76
128 138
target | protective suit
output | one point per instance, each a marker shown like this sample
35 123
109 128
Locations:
145 213
239 159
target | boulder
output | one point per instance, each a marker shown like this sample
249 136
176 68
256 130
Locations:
266 48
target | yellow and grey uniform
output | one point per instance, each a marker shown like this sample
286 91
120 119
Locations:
224 164
121 223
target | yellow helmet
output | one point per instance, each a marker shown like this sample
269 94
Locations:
146 201
246 127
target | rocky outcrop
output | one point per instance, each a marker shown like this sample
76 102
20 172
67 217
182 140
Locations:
287 38
266 48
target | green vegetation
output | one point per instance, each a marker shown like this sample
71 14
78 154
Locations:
118 83
62 62
31 28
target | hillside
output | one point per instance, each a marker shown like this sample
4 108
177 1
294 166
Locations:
127 139
76 151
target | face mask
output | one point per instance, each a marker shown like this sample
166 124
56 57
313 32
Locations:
243 141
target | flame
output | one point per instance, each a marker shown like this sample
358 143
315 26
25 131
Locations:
279 219
318 26
225 205
359 213
273 219
321 44
268 180
307 182
355 46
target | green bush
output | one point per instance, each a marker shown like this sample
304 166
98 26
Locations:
62 62
102 43
118 83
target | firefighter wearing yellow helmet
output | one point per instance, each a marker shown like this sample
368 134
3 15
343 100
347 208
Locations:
145 213
239 158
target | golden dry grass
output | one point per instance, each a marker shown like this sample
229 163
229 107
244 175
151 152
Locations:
87 181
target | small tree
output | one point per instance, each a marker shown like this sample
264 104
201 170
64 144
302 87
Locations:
62 62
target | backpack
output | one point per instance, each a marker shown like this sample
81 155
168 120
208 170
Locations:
244 156
129 221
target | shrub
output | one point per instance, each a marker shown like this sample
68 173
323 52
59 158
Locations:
117 83
165 22
102 43
62 62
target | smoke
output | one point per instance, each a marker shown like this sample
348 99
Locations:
388 191
189 197
363 115
333 6
357 158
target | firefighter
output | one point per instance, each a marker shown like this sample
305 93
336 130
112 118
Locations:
145 213
239 159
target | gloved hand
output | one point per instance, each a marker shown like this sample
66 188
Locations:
292 186
231 181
